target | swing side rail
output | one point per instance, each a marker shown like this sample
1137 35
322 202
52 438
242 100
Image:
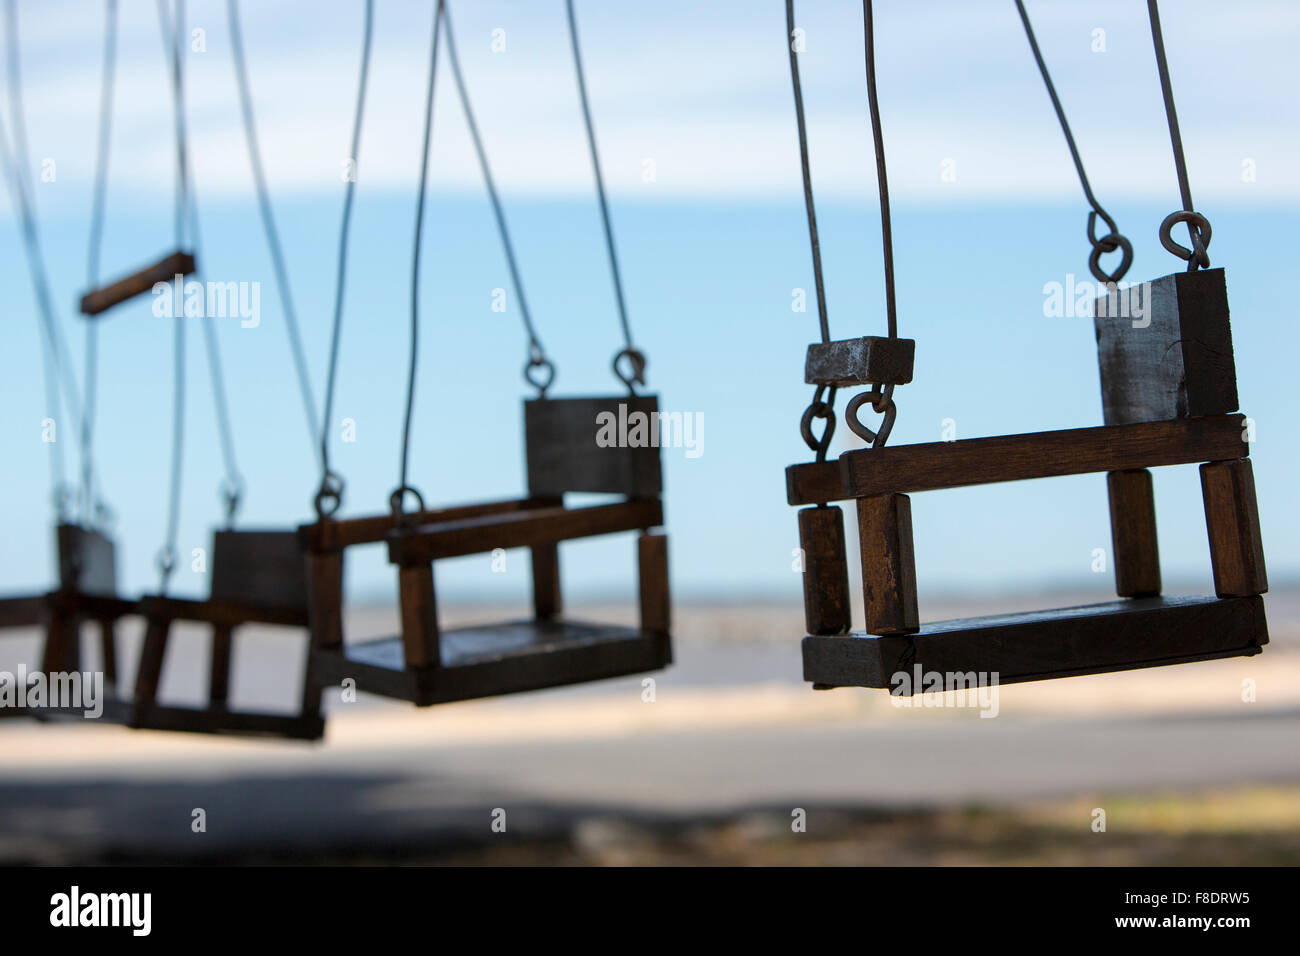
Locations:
166 269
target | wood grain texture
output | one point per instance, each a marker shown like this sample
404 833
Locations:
568 445
652 583
868 360
826 605
449 539
128 287
1232 520
1173 361
1093 639
1074 451
888 564
814 482
1134 545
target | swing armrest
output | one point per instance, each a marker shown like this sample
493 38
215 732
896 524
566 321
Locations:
331 535
22 611
228 613
519 529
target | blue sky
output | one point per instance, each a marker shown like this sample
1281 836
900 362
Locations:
712 249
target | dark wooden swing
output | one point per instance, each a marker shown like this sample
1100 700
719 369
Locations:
258 577
426 664
1169 397
86 593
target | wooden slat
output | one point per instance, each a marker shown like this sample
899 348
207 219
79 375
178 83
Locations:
1133 533
813 482
1232 519
1075 451
262 568
228 613
108 650
652 577
149 669
567 451
868 360
419 615
219 666
332 535
86 560
826 605
1094 639
547 600
165 270
888 564
449 539
325 598
28 611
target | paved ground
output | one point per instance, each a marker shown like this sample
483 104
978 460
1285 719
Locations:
731 730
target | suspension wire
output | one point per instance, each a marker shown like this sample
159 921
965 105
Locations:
820 407
330 493
399 493
91 508
60 383
1198 227
1113 240
813 239
882 177
636 358
268 222
536 353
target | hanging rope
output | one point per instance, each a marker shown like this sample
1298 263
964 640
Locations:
539 370
1112 241
1198 227
94 510
823 408
635 358
60 384
398 497
330 493
268 222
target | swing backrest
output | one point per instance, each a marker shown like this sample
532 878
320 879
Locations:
87 561
263 568
603 445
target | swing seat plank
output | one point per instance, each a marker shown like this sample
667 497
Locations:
228 613
128 287
225 721
518 529
337 534
1037 645
901 469
494 659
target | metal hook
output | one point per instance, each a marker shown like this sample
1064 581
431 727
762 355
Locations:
330 494
819 409
397 501
637 360
1198 227
881 401
534 379
1111 242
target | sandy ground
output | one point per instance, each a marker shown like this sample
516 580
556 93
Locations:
711 770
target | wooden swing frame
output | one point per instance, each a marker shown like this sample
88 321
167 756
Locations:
428 665
1143 629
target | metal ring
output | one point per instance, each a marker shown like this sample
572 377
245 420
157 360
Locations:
541 384
638 360
330 494
231 491
878 437
398 498
166 561
1199 228
1111 242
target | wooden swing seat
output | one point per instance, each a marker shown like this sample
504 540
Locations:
1160 367
258 577
86 592
138 283
427 665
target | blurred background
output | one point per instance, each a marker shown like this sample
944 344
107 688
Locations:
695 120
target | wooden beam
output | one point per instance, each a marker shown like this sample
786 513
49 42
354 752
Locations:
826 605
888 564
868 360
334 535
164 270
1232 519
813 483
1074 451
1098 638
449 539
419 616
1133 533
652 583
547 600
